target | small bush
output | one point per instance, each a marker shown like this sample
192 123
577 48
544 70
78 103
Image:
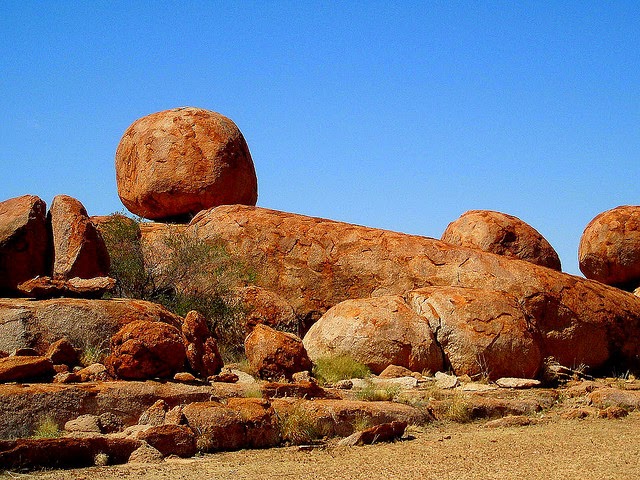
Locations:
47 428
372 394
298 427
333 369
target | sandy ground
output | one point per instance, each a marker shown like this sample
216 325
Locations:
559 449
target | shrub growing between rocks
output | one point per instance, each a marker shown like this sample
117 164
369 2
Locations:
329 370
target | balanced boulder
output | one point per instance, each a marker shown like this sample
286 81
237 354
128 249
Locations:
78 246
172 164
502 234
146 350
609 250
377 332
273 354
24 242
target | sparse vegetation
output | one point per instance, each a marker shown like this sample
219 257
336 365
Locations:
333 369
372 393
298 427
182 272
362 421
47 427
92 354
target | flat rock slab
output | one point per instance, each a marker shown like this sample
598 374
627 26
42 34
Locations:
446 381
508 382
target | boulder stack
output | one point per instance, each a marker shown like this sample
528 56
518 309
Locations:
172 164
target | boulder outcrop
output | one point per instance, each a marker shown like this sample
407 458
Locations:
47 287
25 368
78 246
266 307
481 332
609 249
200 347
146 350
273 354
24 242
85 323
502 234
174 163
316 263
377 332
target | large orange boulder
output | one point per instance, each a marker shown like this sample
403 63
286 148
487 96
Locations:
481 332
266 307
22 368
200 346
172 164
78 246
316 263
609 250
502 234
146 350
87 324
377 332
273 354
24 242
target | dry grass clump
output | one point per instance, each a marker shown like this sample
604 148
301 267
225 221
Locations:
333 369
371 393
47 427
298 427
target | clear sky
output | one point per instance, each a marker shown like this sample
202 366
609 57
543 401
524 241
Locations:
398 115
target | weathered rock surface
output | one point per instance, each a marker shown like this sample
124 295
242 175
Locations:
62 352
609 250
171 440
145 453
481 332
510 382
24 368
266 307
24 242
145 350
385 432
85 323
502 234
200 347
315 264
395 371
241 423
45 287
22 406
273 354
174 163
377 332
65 452
78 246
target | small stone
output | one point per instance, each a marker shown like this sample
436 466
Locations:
66 377
174 416
84 423
145 453
510 421
395 371
344 384
184 377
445 381
520 383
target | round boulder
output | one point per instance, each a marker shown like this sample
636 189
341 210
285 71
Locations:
377 332
501 234
273 354
609 250
481 332
172 164
145 350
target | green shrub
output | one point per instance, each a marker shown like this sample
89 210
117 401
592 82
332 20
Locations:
371 393
47 428
333 369
182 272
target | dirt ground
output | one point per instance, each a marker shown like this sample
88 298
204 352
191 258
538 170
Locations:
553 449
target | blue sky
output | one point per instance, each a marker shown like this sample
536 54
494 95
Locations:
398 115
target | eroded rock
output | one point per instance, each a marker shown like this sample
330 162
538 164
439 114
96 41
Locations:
273 354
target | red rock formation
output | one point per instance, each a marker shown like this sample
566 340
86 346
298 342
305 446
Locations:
24 368
78 247
502 234
609 250
264 306
201 348
85 323
483 332
273 354
47 287
24 242
146 350
377 332
316 263
174 163
171 440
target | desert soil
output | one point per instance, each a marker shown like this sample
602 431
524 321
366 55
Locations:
553 449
